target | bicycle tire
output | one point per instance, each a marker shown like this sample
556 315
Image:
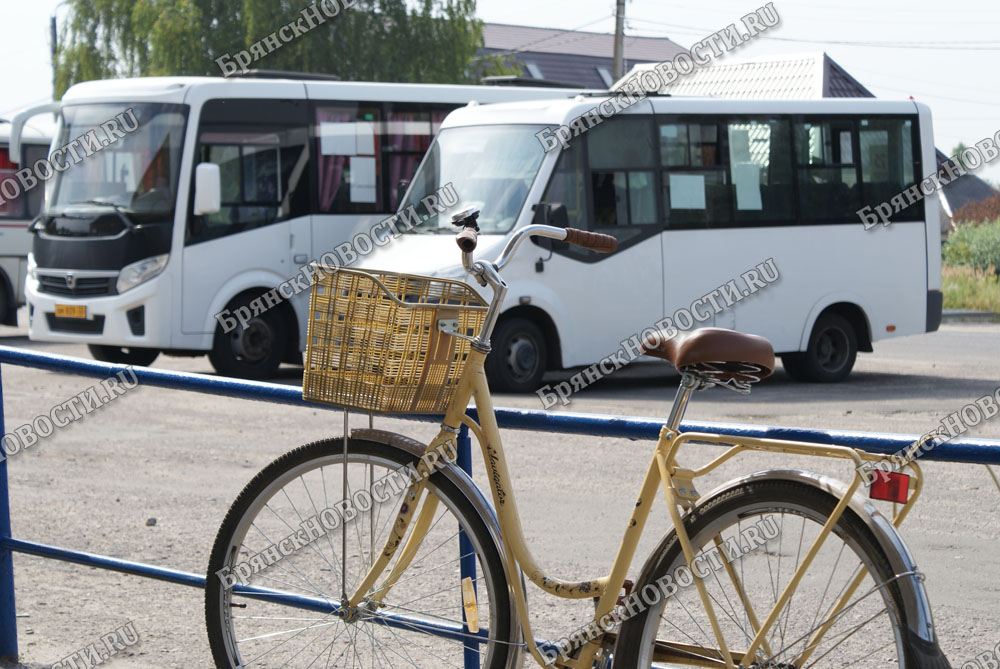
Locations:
238 639
737 507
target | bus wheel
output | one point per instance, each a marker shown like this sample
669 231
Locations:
517 362
253 351
833 347
124 355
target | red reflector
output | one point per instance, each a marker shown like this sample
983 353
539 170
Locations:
889 486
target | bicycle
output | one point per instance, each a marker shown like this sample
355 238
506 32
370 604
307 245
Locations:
408 565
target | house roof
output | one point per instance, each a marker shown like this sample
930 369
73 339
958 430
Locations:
798 76
504 37
582 59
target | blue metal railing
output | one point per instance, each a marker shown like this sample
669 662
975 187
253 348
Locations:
973 451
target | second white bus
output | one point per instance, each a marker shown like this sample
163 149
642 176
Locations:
698 192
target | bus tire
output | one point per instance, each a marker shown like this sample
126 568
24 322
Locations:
124 355
832 350
251 352
518 358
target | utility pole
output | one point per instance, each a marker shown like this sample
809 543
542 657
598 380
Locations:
618 66
54 37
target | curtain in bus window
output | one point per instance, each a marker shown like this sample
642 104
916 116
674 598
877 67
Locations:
696 190
349 151
331 167
827 171
12 207
887 163
760 162
408 135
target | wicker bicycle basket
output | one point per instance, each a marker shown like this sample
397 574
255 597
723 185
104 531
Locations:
374 344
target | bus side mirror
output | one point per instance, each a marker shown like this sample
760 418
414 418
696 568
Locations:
550 214
207 189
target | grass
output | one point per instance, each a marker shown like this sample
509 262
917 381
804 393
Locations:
964 288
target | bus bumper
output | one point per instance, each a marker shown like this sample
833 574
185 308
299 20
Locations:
136 318
935 301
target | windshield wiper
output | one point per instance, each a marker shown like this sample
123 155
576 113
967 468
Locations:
120 210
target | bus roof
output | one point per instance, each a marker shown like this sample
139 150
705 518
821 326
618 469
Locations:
33 133
563 111
192 89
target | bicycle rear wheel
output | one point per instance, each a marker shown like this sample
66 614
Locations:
765 529
269 540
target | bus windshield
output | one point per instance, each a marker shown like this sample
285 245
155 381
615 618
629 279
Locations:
134 171
491 168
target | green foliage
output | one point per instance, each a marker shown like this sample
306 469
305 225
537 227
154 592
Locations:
964 288
431 41
975 246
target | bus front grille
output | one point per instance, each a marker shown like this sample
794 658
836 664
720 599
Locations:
76 286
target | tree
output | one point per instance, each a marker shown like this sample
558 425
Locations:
956 154
433 41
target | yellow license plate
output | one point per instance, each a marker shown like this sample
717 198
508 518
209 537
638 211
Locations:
71 311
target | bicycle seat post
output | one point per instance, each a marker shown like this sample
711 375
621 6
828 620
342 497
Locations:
689 383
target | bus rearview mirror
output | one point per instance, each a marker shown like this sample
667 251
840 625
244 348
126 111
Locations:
550 213
207 189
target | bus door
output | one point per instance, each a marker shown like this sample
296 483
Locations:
607 181
261 235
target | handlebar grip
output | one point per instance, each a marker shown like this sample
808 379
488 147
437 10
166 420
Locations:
467 240
594 241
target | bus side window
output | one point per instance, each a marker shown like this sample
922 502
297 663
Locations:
567 186
263 174
622 164
696 191
26 205
348 159
409 128
827 170
760 163
887 163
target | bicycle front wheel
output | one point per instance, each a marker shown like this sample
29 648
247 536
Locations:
296 540
749 541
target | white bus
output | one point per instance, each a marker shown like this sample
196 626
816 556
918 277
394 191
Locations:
17 213
697 191
121 262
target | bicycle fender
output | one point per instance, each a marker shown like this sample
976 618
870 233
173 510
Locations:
920 639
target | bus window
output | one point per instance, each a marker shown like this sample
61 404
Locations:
622 177
348 154
25 205
408 131
887 165
760 163
263 178
827 170
695 184
568 187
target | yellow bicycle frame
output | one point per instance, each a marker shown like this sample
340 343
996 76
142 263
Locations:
680 494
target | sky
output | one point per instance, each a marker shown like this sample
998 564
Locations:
946 55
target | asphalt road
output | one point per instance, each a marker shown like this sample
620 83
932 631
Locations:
181 458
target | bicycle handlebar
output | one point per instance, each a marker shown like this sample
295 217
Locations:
595 241
468 238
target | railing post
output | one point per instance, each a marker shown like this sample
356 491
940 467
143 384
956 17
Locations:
467 555
8 618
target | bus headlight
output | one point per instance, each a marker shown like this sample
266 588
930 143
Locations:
32 267
141 272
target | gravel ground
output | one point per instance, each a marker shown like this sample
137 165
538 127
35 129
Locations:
181 458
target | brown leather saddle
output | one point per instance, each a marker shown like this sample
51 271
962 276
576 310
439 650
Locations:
717 356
